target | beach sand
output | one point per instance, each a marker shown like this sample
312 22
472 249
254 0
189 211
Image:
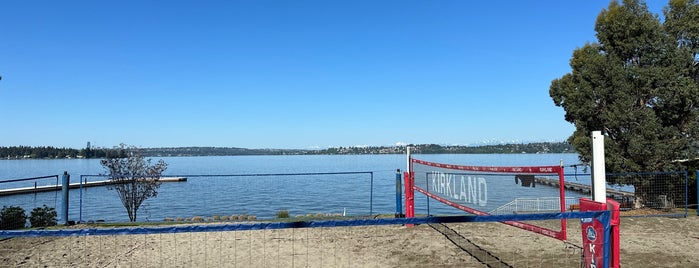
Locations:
645 242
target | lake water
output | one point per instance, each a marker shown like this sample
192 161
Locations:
263 196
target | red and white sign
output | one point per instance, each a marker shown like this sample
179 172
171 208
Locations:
593 235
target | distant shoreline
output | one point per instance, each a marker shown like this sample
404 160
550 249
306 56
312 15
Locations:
47 152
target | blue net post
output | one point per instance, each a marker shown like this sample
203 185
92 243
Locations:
64 200
399 195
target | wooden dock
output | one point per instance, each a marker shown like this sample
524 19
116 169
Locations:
49 188
583 188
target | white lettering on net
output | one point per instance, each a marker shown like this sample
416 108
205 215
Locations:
434 180
468 189
442 183
472 188
447 184
453 190
463 195
483 189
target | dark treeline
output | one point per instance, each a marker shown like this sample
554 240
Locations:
217 151
45 152
527 148
515 148
38 152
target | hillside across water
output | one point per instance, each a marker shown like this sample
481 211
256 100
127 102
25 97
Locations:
45 152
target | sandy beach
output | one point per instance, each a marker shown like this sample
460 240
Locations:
645 242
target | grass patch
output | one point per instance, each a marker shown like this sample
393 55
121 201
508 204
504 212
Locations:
283 214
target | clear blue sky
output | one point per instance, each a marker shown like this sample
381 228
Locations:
286 74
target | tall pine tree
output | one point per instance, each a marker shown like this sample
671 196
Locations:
638 84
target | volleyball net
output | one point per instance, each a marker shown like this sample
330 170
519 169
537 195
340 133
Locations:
487 190
363 239
490 190
453 241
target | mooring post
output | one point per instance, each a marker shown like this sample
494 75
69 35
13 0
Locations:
64 200
399 196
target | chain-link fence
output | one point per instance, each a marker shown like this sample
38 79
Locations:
651 193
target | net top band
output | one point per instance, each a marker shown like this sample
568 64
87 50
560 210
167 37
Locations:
528 169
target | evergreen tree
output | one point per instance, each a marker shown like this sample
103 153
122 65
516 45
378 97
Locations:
638 85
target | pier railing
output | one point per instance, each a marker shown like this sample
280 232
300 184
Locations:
18 206
29 185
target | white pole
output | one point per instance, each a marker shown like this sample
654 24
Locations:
407 153
599 181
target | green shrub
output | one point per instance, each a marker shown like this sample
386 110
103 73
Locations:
12 218
283 214
43 216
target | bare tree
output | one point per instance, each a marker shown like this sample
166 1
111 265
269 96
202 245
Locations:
133 177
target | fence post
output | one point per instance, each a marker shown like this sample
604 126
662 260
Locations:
64 200
697 192
399 196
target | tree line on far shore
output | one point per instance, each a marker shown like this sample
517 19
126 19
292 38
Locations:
48 152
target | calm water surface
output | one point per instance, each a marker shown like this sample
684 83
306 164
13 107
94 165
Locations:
263 196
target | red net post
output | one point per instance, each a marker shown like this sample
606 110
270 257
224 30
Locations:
409 195
563 235
614 206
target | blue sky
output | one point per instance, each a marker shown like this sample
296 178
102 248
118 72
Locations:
286 74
